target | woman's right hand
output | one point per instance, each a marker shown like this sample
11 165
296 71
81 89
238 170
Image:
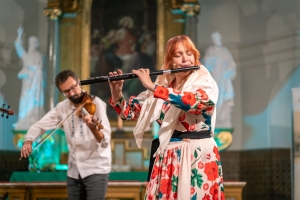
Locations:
116 86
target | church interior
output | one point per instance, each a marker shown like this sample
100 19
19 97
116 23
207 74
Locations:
258 132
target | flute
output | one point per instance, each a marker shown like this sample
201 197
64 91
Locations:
102 79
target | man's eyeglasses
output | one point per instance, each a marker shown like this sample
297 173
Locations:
73 88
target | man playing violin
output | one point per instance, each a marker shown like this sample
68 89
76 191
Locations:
89 161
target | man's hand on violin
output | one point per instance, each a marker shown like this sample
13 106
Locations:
94 126
88 119
26 149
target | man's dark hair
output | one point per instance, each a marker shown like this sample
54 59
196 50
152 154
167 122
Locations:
62 76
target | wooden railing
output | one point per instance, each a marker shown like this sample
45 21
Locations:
117 190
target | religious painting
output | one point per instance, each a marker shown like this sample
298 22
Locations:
123 36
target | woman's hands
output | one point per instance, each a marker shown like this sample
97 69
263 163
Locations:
144 76
116 86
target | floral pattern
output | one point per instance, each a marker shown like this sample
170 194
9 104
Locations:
206 173
206 181
197 106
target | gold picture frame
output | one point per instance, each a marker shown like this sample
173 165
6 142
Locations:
75 37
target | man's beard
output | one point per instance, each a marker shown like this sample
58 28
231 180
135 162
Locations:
76 99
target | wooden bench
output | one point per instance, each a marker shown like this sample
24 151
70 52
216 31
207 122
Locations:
134 190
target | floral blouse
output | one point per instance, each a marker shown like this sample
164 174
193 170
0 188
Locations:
197 108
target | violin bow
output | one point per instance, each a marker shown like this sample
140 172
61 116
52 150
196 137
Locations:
57 127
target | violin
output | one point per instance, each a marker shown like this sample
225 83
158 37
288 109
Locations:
6 111
86 106
89 108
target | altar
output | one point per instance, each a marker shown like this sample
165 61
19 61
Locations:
121 186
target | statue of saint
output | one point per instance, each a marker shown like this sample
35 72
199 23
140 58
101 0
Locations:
31 105
220 63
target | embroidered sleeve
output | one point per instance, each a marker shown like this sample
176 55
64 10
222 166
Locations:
197 102
127 110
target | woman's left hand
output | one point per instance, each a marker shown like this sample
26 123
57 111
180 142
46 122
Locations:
144 77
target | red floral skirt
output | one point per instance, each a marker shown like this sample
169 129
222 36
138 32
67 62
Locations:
188 169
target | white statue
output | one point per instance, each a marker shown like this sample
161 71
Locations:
220 63
31 105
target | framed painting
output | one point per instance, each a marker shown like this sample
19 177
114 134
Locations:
123 35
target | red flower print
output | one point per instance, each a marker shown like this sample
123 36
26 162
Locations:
214 191
161 92
209 108
196 112
201 91
211 170
148 185
192 127
205 186
117 109
186 125
206 197
188 98
170 154
165 185
182 117
203 94
192 190
150 196
155 171
165 160
216 151
175 195
111 101
201 106
126 111
176 91
200 165
222 196
170 170
204 97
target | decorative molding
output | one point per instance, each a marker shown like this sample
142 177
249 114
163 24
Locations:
52 13
160 33
186 7
190 9
85 42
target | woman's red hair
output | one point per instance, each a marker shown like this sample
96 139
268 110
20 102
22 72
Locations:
171 47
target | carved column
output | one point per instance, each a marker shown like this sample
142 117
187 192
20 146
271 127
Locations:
189 10
68 40
53 12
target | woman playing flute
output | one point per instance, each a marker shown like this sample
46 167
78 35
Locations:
185 161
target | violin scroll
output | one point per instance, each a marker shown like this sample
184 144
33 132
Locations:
7 111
